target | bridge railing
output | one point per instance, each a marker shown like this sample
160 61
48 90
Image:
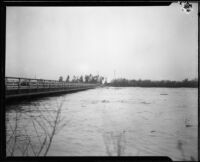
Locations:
12 83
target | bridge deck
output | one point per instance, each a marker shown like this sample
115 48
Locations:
20 88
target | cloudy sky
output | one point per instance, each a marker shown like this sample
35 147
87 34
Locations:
157 43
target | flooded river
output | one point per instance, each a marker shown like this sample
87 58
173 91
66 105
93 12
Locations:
110 121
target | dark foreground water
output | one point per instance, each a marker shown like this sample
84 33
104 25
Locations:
109 122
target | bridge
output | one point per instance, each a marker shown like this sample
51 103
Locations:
21 88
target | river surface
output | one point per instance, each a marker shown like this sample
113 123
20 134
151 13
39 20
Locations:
113 121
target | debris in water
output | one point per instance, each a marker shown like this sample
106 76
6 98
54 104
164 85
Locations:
163 94
188 123
153 131
145 102
105 101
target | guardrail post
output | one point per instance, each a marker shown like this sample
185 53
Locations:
19 85
29 83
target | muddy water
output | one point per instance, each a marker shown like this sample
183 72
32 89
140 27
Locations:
119 121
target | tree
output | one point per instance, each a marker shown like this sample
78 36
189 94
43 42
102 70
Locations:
81 79
67 79
105 81
60 79
74 79
101 79
86 78
90 78
185 80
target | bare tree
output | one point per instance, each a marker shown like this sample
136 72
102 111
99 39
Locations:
23 141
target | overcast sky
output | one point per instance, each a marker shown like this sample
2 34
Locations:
157 43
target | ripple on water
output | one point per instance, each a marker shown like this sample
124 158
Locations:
153 126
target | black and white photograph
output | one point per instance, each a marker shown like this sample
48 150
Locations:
102 81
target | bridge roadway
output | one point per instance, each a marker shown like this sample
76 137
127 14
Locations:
23 88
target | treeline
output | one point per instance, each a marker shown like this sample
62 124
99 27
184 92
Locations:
83 79
122 82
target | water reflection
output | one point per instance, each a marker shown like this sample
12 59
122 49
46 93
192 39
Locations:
31 128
